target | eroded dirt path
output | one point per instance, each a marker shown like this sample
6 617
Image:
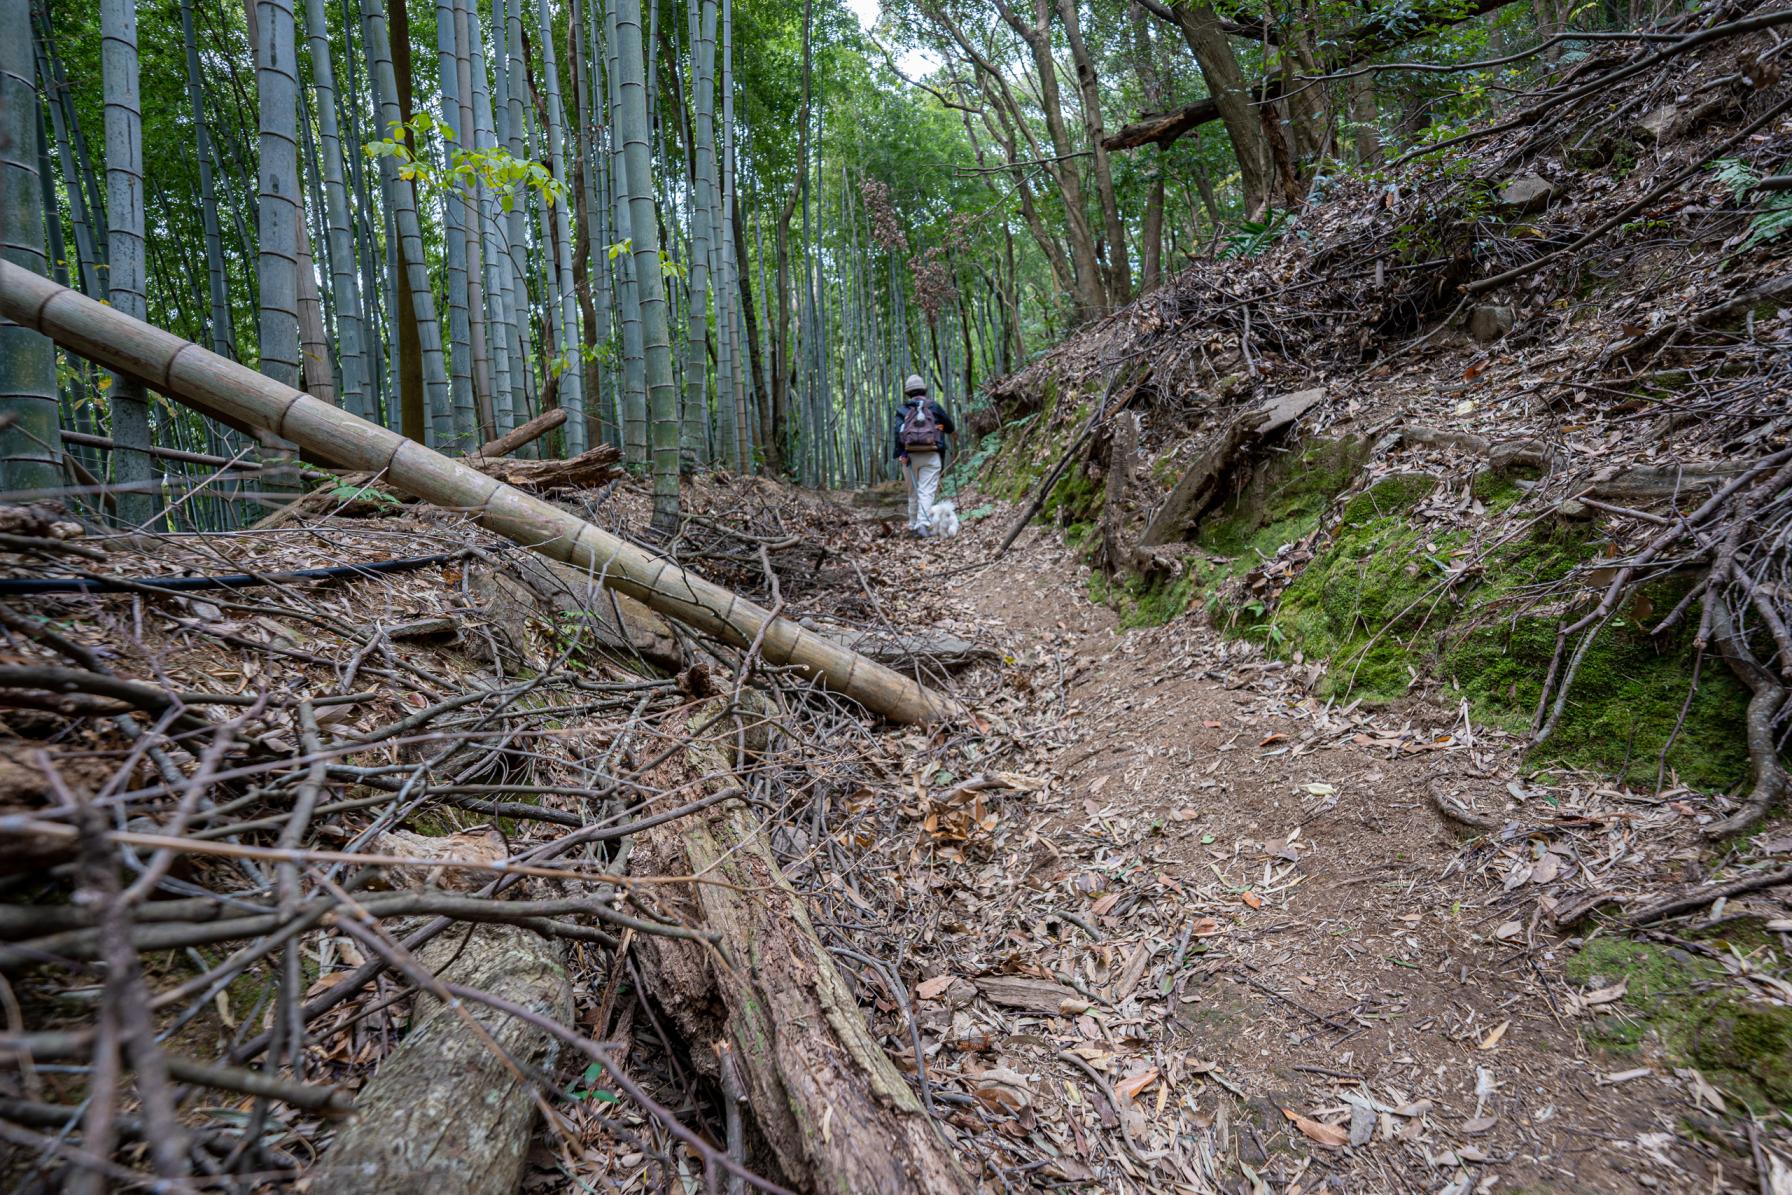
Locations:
1297 974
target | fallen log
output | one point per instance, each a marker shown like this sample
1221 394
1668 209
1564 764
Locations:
452 1109
586 471
905 649
1203 485
832 1108
242 398
536 428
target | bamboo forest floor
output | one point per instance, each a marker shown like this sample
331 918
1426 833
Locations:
1156 915
1212 932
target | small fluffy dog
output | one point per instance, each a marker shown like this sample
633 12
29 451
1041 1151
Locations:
943 519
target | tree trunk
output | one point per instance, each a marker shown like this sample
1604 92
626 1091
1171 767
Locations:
1119 265
827 1100
1365 121
1153 233
138 496
279 211
415 404
656 342
30 448
634 363
449 1111
1090 293
1232 97
571 377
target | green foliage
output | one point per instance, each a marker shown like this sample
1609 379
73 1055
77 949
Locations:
495 168
585 1086
1254 236
341 491
1773 220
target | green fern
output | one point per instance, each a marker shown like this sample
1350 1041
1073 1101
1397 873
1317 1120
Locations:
1772 219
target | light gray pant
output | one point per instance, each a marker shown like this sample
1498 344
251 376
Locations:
923 488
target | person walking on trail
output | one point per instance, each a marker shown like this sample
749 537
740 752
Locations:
922 426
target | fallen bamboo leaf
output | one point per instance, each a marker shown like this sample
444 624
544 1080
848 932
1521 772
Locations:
1324 1134
1493 1038
1129 1088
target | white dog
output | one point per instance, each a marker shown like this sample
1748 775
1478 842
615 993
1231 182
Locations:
942 519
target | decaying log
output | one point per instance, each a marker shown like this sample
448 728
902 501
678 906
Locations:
827 1101
536 428
586 471
614 621
1114 554
904 649
446 1112
1205 483
239 396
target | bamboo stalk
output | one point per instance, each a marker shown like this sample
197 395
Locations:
239 396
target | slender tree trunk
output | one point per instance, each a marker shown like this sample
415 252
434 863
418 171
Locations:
472 210
1232 97
454 241
1365 121
506 51
402 201
1152 234
702 23
222 337
499 287
31 447
279 209
571 382
132 471
416 403
1090 292
649 280
1119 266
634 363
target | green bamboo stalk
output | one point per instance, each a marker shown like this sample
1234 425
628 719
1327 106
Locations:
131 469
345 290
572 390
662 396
30 444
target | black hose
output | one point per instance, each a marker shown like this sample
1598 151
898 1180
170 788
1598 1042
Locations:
227 581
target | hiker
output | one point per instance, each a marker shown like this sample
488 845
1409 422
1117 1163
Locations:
922 426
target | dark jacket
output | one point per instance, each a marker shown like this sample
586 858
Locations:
939 416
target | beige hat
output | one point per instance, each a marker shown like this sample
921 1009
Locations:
914 385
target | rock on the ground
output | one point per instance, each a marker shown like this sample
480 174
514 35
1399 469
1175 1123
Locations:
1490 321
1663 124
1527 193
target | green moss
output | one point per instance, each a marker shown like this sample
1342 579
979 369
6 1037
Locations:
1282 503
1627 695
1382 604
1142 604
1388 497
1365 602
1679 1005
1497 490
1076 498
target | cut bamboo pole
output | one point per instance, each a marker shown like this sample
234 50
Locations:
242 398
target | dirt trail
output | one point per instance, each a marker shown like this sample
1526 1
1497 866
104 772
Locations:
1272 921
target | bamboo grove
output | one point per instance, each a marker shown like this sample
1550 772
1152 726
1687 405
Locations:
716 234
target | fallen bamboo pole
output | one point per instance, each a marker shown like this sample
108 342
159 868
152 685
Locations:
240 397
536 428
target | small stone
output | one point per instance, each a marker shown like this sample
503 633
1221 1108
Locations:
1527 193
1490 321
1662 125
1574 508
